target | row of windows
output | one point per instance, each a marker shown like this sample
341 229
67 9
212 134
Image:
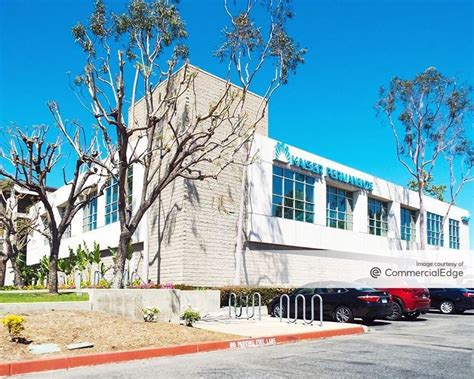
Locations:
89 213
293 198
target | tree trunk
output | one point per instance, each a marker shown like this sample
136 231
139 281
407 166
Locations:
120 258
422 218
18 280
53 267
3 271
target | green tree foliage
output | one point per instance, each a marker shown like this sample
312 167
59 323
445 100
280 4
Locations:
431 189
427 115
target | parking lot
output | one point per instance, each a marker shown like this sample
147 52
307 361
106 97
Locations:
435 346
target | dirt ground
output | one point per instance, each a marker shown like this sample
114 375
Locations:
106 332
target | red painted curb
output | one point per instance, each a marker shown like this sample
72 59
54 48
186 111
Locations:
46 364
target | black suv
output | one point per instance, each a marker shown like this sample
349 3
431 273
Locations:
452 300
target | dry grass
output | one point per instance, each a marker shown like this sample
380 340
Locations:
106 332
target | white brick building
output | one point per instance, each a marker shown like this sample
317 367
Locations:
295 199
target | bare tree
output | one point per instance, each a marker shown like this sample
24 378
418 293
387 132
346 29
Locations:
427 116
29 161
15 227
164 135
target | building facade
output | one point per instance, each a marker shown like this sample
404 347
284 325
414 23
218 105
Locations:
289 199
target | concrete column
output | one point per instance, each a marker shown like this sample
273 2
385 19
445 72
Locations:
394 220
360 223
319 202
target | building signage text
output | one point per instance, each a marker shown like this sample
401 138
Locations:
282 154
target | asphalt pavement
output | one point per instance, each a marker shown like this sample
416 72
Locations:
434 346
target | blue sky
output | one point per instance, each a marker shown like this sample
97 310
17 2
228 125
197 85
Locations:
327 108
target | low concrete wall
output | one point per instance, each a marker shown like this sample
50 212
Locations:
207 301
41 307
129 302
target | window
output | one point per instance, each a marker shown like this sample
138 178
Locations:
89 217
111 202
434 229
293 195
377 214
339 205
407 224
453 234
67 232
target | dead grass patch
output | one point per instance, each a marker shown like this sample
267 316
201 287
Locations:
106 332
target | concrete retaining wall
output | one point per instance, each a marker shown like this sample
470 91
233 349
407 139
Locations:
129 303
207 301
41 307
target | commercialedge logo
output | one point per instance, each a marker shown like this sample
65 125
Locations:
282 154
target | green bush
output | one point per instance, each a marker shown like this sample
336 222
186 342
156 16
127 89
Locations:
190 316
267 293
8 288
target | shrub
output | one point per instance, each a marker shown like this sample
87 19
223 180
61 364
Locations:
150 314
103 284
8 288
267 293
15 325
190 316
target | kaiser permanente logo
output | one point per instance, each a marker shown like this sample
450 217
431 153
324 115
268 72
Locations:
282 154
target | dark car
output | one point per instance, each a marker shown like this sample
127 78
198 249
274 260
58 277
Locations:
341 304
452 300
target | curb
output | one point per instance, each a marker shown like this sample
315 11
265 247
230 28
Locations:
47 364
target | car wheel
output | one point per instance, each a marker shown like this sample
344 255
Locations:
343 314
446 307
276 311
397 312
412 315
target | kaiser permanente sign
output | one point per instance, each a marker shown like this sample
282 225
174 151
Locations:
282 154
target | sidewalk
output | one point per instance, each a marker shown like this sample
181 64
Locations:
267 326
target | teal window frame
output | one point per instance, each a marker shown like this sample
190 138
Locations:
292 195
111 202
339 208
408 224
434 229
377 215
89 217
454 239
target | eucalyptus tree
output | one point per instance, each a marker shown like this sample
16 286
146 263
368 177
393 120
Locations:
32 158
427 115
141 53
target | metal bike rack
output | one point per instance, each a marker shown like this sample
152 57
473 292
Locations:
288 319
293 320
238 314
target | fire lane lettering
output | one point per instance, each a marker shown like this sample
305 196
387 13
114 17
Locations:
245 344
